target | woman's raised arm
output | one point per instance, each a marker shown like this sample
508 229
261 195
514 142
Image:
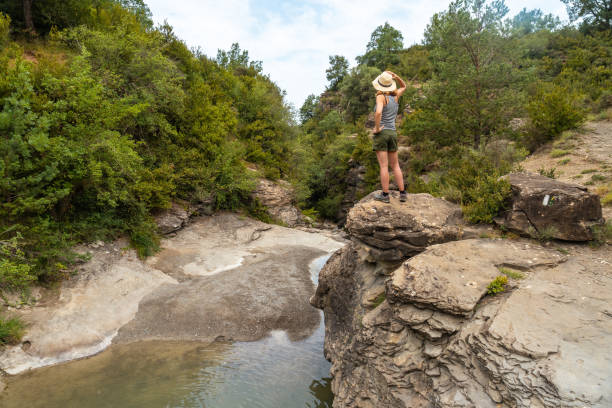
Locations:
402 84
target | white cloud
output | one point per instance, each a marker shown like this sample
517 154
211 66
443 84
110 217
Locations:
295 38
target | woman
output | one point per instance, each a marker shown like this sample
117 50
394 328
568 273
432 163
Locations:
385 135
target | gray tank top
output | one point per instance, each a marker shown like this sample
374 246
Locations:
389 113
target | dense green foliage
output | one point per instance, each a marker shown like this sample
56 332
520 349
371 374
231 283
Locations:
106 120
595 14
484 90
338 68
476 86
383 49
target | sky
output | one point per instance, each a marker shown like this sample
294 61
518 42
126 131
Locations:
294 39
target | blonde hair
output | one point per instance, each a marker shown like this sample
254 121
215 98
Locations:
386 94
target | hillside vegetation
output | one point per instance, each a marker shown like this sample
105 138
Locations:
106 119
486 90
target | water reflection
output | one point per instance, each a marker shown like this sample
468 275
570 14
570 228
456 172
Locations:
321 391
273 372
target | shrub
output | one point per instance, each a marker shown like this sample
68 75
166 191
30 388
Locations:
144 238
602 234
605 192
5 23
11 331
605 101
555 153
550 173
512 273
483 194
498 285
543 234
553 109
15 271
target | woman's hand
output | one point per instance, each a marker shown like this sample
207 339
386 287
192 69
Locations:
377 130
393 74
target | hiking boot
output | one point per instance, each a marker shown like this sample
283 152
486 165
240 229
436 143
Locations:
403 196
382 197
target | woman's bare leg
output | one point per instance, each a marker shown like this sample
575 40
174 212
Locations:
397 171
383 162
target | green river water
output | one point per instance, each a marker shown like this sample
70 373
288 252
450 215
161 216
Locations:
274 372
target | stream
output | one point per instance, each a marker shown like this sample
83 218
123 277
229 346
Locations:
272 372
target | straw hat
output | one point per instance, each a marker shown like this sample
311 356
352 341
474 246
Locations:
384 82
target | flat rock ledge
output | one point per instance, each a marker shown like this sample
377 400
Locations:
428 335
392 232
542 206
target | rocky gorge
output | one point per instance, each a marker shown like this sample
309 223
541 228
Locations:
219 279
412 318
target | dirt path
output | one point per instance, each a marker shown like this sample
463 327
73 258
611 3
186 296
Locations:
583 157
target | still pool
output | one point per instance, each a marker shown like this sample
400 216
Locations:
274 372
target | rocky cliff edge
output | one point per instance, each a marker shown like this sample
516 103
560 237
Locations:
425 332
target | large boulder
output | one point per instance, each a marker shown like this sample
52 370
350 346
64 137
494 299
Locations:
279 199
430 336
542 206
392 232
173 218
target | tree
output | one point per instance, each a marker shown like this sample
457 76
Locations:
358 91
236 58
595 14
140 9
338 68
27 16
308 109
530 21
474 91
382 50
5 24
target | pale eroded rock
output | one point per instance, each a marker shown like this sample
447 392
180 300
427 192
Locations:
437 342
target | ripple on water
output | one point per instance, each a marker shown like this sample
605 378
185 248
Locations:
272 372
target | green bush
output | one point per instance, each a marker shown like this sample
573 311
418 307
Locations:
115 120
11 331
602 234
552 110
550 173
605 101
144 238
482 193
5 25
15 271
498 285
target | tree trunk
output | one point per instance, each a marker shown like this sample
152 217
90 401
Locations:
27 16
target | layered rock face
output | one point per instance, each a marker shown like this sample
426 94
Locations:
425 333
543 206
396 231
